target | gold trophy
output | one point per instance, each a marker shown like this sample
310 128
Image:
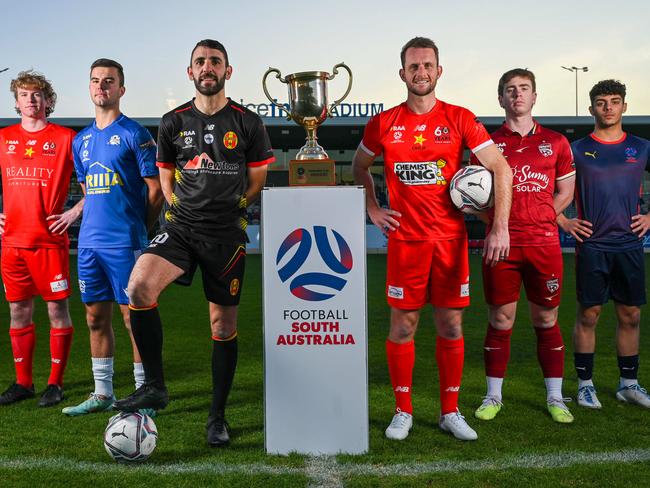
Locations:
308 106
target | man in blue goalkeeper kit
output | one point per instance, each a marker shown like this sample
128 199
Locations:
115 161
609 229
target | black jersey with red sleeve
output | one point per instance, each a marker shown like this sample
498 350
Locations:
210 155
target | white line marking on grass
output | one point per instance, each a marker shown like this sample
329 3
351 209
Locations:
532 461
325 471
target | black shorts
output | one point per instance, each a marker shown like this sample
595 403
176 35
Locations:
222 264
601 275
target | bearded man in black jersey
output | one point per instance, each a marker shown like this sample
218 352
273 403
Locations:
213 156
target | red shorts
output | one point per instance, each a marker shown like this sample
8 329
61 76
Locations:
35 271
420 272
540 269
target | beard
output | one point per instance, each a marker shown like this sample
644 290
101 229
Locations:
421 91
210 90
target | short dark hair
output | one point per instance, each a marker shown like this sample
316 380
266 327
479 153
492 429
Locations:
607 87
34 80
424 42
109 63
509 75
212 44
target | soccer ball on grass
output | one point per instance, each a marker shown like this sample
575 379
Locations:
130 437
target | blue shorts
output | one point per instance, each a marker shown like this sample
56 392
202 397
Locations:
104 273
601 275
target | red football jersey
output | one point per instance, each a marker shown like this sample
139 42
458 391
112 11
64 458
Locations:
538 160
422 152
36 169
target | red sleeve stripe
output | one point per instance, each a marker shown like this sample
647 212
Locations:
182 109
261 163
160 164
236 108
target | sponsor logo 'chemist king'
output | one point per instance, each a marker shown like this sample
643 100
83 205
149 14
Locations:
308 286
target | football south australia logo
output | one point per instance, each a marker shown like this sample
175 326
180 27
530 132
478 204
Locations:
318 284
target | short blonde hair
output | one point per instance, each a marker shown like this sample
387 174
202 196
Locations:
34 80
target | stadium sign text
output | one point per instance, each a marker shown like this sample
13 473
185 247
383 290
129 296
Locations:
343 110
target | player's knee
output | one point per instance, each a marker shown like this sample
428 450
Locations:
588 318
222 329
141 293
96 322
59 314
629 319
21 315
502 320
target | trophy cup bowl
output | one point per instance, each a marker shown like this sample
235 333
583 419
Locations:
308 104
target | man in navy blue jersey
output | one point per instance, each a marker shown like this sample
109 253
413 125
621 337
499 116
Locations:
609 257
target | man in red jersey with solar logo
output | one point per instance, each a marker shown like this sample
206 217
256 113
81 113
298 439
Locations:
422 141
543 185
36 164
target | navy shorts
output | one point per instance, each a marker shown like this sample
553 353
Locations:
601 275
104 273
222 264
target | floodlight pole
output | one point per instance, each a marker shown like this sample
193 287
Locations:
575 69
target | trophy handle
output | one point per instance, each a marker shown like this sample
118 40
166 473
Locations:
335 72
278 75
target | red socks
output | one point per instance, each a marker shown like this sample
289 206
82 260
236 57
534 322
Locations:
22 346
496 351
401 358
550 351
60 342
450 355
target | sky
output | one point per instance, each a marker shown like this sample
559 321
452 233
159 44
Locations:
478 41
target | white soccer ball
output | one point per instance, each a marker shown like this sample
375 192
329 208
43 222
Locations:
130 437
472 189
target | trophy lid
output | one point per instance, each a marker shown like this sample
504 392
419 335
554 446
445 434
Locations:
308 75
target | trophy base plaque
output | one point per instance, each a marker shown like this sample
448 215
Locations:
312 172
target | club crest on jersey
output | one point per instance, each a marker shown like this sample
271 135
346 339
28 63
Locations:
230 140
29 152
546 149
421 173
553 285
115 140
419 141
630 155
234 287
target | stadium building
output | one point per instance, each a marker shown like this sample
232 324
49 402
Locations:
340 137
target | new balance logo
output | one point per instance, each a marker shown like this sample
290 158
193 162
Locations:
402 389
491 348
453 388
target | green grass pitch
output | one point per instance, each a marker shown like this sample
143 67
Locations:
522 445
